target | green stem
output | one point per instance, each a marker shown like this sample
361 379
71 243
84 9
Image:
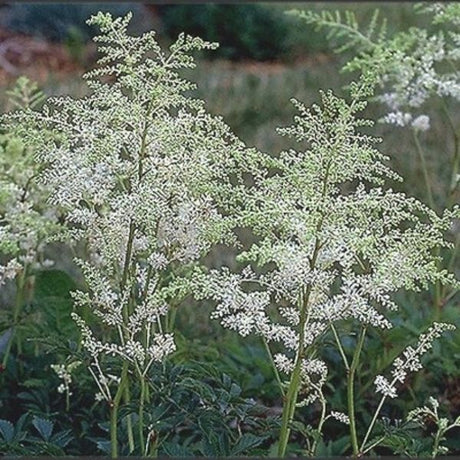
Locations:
350 391
153 450
340 347
114 411
171 319
289 407
426 176
290 399
371 426
67 400
129 251
113 430
141 412
275 370
456 157
16 313
374 444
129 421
123 389
453 185
437 440
437 287
320 424
8 350
124 385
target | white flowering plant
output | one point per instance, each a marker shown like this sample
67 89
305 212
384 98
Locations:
28 222
421 66
139 169
413 72
333 247
407 437
148 182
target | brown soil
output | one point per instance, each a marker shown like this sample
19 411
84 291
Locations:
37 58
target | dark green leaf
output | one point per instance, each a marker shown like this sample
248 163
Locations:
7 430
246 442
62 438
104 446
43 426
172 449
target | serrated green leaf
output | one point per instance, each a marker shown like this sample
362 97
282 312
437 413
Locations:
172 449
246 442
7 430
44 427
62 438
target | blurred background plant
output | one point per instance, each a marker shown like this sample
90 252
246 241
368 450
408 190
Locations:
241 31
59 21
253 97
28 222
421 64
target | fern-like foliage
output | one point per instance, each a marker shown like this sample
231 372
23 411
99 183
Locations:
344 27
419 63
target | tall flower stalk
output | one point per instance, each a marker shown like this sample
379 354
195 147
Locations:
421 65
333 246
140 169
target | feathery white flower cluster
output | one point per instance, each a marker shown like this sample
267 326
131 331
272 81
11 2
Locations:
418 63
410 360
418 414
140 169
421 415
382 385
27 222
326 257
341 417
10 270
413 77
416 72
313 376
64 372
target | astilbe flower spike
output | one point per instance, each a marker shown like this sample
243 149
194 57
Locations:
140 169
333 246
